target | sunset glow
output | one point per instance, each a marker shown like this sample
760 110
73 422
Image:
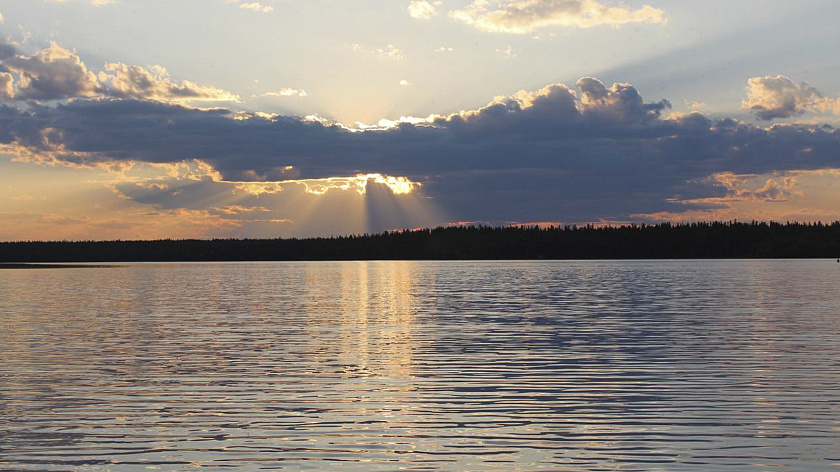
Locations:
450 235
461 110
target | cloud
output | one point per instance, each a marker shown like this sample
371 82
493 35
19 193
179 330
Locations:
293 207
390 51
7 90
621 103
804 195
526 16
50 74
252 6
126 81
422 9
695 105
56 73
749 187
96 3
286 92
554 154
443 49
257 7
780 97
405 83
508 51
7 51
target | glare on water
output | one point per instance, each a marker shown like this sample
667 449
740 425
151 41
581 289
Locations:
590 366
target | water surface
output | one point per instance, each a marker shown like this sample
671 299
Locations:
510 366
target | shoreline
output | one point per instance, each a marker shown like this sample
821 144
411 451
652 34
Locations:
52 266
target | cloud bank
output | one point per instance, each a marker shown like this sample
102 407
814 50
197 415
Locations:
584 153
553 154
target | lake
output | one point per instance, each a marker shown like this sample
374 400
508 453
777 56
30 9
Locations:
459 366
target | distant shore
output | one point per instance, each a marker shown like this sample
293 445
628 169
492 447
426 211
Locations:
50 266
715 240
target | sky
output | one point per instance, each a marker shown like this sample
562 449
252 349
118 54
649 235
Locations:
145 119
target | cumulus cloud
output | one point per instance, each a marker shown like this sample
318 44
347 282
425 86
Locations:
53 73
780 97
568 154
620 103
56 73
124 81
422 9
526 16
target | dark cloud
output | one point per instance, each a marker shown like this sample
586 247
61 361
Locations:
7 50
6 86
548 155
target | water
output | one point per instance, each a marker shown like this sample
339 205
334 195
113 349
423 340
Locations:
512 366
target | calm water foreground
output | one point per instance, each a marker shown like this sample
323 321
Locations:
513 366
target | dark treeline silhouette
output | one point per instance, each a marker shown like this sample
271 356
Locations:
660 241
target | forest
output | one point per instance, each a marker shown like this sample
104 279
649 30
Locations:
712 240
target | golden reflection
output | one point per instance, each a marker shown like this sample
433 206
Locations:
399 310
375 318
359 322
354 314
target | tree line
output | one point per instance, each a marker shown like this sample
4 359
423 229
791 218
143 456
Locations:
711 240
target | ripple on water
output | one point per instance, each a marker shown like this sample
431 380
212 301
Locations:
590 366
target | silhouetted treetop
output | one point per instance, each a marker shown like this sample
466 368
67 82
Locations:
658 241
